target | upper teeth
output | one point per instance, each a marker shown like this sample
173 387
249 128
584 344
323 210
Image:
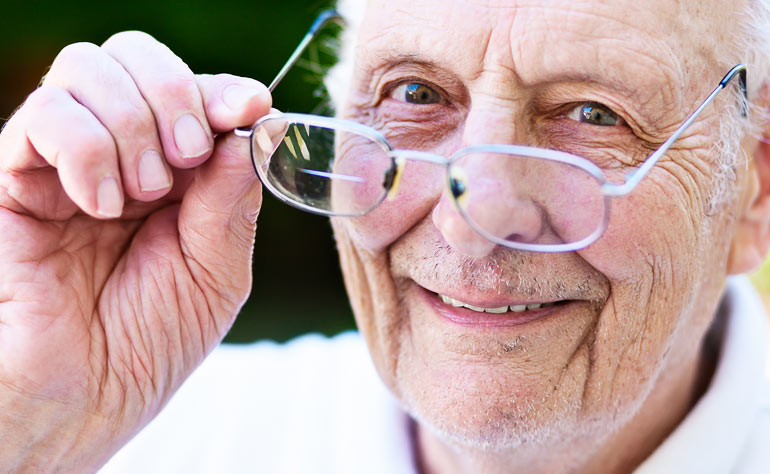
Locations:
517 308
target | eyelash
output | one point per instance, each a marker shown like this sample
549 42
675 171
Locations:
566 112
574 110
390 89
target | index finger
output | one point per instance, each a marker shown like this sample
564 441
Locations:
170 89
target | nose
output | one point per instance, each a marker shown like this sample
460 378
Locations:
487 195
498 192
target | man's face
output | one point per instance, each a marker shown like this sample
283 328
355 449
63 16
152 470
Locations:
622 316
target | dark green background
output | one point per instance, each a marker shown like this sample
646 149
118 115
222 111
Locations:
297 282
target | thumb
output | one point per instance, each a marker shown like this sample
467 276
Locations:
218 214
217 222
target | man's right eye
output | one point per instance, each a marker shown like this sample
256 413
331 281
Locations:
416 93
594 113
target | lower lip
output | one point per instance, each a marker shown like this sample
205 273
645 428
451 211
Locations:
469 318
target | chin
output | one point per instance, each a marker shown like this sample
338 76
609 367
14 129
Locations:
475 408
485 388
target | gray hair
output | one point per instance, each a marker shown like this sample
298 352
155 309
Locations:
750 44
337 80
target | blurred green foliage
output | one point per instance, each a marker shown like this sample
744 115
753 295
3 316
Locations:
761 278
297 282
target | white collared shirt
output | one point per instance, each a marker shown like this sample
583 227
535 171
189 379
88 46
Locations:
316 405
728 430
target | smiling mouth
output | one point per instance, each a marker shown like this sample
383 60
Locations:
513 308
483 317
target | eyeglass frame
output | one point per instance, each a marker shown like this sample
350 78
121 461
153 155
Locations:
399 157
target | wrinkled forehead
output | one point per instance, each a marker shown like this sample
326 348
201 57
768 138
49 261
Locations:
639 45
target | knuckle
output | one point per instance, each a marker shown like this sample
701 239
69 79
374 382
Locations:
225 78
132 120
128 39
177 86
36 103
92 146
74 56
44 97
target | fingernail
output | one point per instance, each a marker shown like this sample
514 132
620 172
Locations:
191 139
237 96
109 199
153 176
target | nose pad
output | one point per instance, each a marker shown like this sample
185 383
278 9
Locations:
493 206
392 179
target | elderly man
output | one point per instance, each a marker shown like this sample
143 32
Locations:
534 235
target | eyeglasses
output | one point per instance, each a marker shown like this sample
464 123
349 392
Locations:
520 197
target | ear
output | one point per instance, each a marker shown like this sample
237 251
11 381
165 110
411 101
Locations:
752 233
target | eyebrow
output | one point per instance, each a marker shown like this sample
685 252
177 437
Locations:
390 59
391 56
655 86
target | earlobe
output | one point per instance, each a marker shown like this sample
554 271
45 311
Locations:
747 250
752 234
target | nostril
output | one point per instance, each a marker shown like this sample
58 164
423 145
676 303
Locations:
456 231
516 238
534 221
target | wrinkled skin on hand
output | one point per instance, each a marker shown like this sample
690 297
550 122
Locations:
103 317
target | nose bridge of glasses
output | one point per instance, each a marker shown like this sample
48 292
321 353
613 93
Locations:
400 158
495 201
494 179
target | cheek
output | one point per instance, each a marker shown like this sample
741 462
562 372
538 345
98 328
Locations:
656 228
360 173
418 192
653 254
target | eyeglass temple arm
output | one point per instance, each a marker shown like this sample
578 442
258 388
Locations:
323 19
318 24
638 174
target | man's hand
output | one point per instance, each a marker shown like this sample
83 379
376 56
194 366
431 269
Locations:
127 233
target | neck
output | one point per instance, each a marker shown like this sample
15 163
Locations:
621 452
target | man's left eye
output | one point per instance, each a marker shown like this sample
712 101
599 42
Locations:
594 113
416 93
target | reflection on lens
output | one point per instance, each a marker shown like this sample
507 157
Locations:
528 200
298 164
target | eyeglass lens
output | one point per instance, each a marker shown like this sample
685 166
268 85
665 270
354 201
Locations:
506 197
527 200
301 167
